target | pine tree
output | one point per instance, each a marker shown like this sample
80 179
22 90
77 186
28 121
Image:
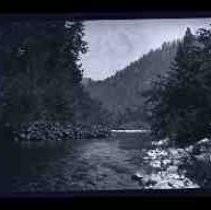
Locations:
179 103
41 71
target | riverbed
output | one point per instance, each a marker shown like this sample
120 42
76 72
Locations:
75 165
88 164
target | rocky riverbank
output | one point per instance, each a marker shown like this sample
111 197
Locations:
168 167
197 164
44 130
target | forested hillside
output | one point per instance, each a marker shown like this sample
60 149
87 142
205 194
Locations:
122 93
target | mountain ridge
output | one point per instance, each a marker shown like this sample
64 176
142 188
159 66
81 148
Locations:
123 90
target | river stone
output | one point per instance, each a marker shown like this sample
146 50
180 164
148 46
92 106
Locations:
156 164
137 177
150 182
172 169
167 162
189 149
162 185
163 142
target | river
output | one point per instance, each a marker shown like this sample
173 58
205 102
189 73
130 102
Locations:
75 165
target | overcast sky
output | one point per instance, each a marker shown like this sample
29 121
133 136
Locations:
113 44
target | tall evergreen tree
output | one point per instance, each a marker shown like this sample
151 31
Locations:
41 71
179 103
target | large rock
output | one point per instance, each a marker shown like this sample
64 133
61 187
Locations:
137 177
164 142
172 169
203 146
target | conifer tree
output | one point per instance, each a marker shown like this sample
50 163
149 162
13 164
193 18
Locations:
179 103
41 71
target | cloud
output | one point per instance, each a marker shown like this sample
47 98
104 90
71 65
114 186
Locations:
113 44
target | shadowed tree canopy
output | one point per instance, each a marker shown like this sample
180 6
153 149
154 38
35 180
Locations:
41 71
180 102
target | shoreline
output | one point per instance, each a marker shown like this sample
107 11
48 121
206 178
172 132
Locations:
130 131
48 130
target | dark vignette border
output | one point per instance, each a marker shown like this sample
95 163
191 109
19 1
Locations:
96 11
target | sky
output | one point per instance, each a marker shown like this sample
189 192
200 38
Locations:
114 44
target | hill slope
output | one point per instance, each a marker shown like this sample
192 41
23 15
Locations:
121 93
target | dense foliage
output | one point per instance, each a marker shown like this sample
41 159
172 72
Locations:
41 73
121 94
180 102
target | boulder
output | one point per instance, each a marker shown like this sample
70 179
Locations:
202 146
172 169
163 142
137 177
150 182
155 163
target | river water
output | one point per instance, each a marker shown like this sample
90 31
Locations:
75 165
